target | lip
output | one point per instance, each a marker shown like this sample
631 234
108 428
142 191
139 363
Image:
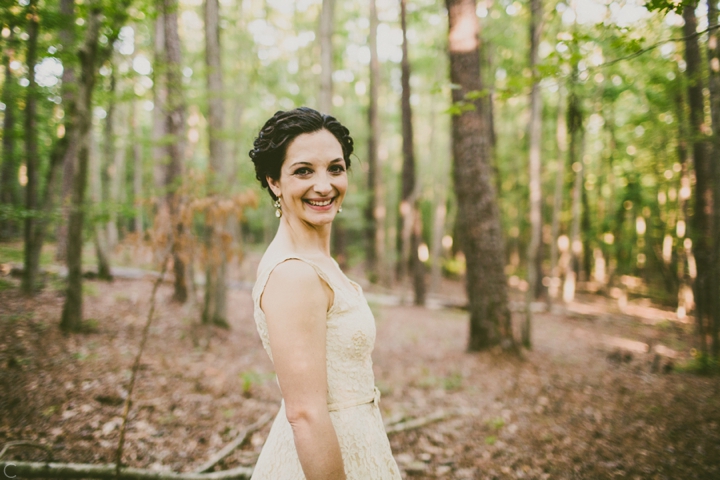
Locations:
319 208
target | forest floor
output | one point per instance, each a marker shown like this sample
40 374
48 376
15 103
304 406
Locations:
600 395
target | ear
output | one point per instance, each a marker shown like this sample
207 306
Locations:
273 185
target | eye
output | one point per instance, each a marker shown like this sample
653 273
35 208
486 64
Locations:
303 171
337 169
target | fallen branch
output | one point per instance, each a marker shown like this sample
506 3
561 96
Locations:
236 443
109 471
136 366
419 422
24 443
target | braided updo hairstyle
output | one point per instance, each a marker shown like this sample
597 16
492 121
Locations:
269 148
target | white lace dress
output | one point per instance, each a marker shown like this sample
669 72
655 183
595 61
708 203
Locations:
352 395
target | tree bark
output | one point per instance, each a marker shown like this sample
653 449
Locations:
714 88
175 127
71 320
32 160
574 126
215 307
137 171
561 140
478 215
374 210
69 103
702 219
410 214
326 56
9 187
534 164
115 152
96 197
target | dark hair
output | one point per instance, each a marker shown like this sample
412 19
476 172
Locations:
271 144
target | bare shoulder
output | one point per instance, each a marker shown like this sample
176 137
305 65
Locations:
295 282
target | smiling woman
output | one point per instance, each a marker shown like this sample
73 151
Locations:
313 321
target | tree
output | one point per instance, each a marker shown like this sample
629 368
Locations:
91 55
374 210
478 216
215 309
534 163
175 127
32 160
8 175
410 220
702 217
327 15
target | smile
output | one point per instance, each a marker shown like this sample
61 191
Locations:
320 203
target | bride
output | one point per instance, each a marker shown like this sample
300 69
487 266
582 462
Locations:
314 322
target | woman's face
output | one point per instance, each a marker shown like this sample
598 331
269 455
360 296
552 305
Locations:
313 178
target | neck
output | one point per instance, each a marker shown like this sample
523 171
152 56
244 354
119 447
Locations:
302 238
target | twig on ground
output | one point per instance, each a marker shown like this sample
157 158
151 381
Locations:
24 443
419 422
136 365
236 443
109 471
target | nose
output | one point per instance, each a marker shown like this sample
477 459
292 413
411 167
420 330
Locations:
322 185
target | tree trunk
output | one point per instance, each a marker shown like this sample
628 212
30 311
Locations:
702 218
478 215
411 219
116 132
574 126
96 196
215 309
714 87
561 140
175 127
9 188
374 210
137 171
534 163
69 103
71 320
31 255
326 56
159 152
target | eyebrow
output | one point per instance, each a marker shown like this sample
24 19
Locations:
310 164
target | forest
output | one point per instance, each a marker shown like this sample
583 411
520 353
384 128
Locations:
533 214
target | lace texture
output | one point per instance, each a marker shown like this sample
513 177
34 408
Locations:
352 396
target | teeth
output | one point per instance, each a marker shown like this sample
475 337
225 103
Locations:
320 204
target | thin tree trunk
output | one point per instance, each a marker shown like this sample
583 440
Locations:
575 126
32 160
412 222
116 166
175 127
69 103
96 197
8 176
478 214
326 56
702 215
440 214
137 171
215 307
714 88
534 162
159 152
71 320
561 140
374 210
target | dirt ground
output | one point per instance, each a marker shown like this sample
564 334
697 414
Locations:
599 396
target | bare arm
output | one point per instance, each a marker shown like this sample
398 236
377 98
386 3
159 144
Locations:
295 302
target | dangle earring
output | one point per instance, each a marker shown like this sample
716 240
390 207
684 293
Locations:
340 209
278 208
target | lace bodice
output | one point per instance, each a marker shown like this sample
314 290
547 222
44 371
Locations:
352 396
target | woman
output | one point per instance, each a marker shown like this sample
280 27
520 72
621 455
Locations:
314 322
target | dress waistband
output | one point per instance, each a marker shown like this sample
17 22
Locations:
374 398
